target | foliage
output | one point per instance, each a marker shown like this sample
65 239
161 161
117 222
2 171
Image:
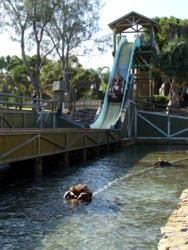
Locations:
83 80
74 24
171 30
171 66
103 88
28 19
50 72
63 29
2 63
172 63
43 25
160 99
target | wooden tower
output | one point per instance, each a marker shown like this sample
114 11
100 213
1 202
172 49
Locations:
146 28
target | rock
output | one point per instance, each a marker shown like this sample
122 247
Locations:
84 116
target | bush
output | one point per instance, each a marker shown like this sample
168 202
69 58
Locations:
160 99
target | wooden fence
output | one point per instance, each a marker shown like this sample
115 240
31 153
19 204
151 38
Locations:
25 103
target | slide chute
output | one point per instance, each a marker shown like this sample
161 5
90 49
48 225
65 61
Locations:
112 107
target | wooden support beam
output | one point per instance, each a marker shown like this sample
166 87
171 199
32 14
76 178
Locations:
37 167
66 159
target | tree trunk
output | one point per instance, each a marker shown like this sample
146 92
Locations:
173 104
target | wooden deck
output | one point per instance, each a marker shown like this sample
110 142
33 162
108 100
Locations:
23 144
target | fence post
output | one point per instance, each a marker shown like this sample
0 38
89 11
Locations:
21 103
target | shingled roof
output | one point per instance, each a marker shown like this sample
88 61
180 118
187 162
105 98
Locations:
134 21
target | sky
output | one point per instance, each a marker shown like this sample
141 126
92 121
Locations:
113 10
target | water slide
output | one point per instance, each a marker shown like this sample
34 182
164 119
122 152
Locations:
111 111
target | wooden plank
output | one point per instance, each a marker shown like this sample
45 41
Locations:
21 144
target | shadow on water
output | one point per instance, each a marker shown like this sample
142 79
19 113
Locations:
132 200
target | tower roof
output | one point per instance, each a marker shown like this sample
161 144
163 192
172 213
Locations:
134 21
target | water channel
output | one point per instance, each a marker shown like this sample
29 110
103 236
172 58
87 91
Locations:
132 201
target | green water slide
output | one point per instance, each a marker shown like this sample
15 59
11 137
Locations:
111 111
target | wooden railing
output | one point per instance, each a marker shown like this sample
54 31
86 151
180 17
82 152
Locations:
163 108
25 103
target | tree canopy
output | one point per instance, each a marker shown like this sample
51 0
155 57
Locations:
58 26
172 29
73 24
171 67
81 79
62 29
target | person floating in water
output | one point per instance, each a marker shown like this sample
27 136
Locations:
161 163
78 194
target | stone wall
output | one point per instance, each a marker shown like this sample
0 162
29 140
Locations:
175 232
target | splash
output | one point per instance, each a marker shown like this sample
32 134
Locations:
127 176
